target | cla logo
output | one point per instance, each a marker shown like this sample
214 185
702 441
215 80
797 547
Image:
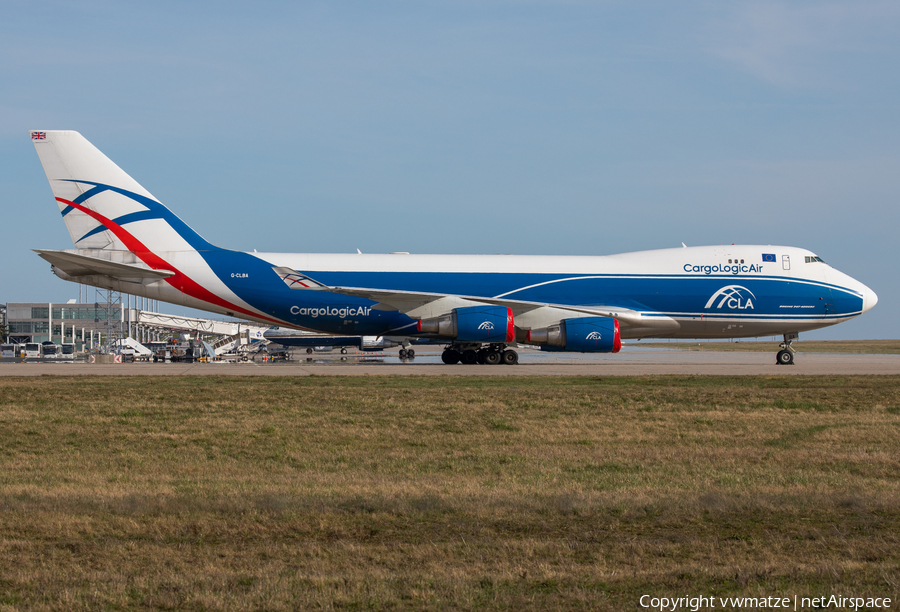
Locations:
486 325
733 297
593 336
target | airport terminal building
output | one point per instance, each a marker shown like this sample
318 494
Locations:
81 324
92 325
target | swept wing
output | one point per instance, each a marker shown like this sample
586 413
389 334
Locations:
408 302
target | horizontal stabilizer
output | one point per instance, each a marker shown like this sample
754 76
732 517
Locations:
81 265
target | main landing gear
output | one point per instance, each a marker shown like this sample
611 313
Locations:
471 354
406 351
786 355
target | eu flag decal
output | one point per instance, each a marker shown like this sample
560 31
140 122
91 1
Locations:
769 257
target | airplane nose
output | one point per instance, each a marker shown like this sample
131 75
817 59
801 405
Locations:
869 299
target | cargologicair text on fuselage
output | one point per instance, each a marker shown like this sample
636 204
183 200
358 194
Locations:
723 269
344 312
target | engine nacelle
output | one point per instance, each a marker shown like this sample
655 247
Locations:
374 343
581 335
473 324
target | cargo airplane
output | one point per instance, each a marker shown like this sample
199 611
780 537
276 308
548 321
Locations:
313 341
481 307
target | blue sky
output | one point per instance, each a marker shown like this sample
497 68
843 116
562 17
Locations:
583 128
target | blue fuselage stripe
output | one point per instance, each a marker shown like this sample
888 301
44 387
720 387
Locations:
678 296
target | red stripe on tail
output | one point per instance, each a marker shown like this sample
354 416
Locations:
180 281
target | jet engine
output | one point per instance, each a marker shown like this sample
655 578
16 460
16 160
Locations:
473 324
582 335
376 343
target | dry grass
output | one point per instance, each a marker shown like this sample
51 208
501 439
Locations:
868 347
444 493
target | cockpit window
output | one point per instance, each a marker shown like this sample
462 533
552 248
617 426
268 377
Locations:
814 259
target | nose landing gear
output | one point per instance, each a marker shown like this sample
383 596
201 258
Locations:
786 355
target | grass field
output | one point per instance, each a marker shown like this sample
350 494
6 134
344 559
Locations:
444 493
871 347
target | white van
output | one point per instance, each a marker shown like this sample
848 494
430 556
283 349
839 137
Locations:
32 350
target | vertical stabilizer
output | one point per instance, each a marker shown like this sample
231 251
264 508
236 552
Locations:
102 206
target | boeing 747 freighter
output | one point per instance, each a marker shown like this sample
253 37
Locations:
481 307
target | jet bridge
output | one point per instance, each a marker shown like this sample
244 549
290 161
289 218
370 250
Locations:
250 331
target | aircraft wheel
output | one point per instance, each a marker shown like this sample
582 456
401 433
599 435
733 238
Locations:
510 357
785 358
480 355
450 357
343 351
410 353
492 357
309 351
402 353
469 357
